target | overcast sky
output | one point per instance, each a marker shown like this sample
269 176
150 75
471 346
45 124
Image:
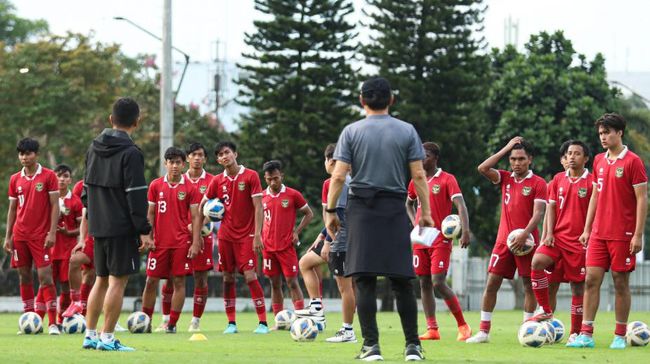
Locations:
618 29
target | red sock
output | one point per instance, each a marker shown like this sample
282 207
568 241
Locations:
167 293
49 296
576 314
432 323
75 295
298 304
257 295
39 303
229 300
621 328
485 326
587 328
173 317
64 302
200 298
277 307
85 292
540 289
454 308
148 311
27 295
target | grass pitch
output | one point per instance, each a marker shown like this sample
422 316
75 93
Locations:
277 347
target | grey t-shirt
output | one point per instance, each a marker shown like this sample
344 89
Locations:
340 244
379 149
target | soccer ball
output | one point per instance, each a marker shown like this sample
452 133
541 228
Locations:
303 329
450 226
214 210
284 319
138 322
207 229
74 325
30 323
528 247
638 334
558 327
550 332
320 323
532 334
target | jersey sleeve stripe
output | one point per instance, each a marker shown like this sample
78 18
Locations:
640 184
151 203
540 200
305 205
456 195
135 188
15 198
256 194
53 192
498 175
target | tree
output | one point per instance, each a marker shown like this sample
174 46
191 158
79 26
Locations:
14 29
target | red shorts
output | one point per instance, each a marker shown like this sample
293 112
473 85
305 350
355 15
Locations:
30 252
504 263
569 265
89 250
168 262
281 261
610 254
432 260
60 268
204 261
236 256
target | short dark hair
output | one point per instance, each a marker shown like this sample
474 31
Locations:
329 150
62 168
172 153
272 165
125 112
585 148
27 145
564 147
224 144
526 146
376 93
432 147
611 121
193 147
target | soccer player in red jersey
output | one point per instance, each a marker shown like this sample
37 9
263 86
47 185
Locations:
280 235
568 200
173 205
433 261
240 234
614 228
32 218
66 235
523 202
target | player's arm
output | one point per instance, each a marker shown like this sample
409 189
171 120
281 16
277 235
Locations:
83 232
549 224
591 213
487 167
641 192
538 212
459 201
54 219
197 242
337 181
11 220
419 178
151 217
307 216
259 222
411 209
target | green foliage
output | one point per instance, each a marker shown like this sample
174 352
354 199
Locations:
14 29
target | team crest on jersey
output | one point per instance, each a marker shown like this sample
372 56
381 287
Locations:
526 190
582 192
241 186
435 189
619 172
285 203
203 189
39 187
65 211
181 195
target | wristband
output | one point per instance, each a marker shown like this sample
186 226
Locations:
331 211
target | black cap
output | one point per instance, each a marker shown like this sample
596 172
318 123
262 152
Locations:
376 85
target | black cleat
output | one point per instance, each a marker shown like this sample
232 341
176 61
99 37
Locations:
170 329
413 353
370 353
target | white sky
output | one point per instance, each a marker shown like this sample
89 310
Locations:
618 29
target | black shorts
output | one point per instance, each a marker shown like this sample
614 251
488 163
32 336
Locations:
318 248
336 263
117 256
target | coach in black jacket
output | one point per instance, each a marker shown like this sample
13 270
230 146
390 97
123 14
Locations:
115 193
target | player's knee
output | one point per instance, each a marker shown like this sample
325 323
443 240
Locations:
249 276
426 283
621 283
577 290
293 283
228 277
538 263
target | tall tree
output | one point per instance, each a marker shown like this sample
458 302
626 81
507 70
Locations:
14 29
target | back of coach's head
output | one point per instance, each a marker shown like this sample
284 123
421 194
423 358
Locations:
126 113
376 94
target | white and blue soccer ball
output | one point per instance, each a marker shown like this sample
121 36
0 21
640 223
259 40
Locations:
638 334
303 329
74 325
320 323
214 210
528 245
450 226
207 229
550 331
284 319
138 322
558 328
30 323
532 334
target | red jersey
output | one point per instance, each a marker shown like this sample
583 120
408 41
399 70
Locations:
518 202
616 210
172 211
78 188
70 207
326 190
33 208
280 217
443 188
571 198
237 194
201 183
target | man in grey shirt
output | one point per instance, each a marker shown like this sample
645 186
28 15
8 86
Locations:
381 152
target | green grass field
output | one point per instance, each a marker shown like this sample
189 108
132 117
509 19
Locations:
278 347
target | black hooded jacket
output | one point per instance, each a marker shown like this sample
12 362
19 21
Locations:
115 190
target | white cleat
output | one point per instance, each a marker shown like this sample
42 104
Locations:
162 327
53 330
119 328
310 312
481 337
571 338
343 336
194 327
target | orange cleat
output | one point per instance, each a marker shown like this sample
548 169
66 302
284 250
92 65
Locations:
544 316
431 334
464 332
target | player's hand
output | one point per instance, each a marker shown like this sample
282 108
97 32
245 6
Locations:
258 246
295 238
426 221
636 244
464 239
514 141
50 239
584 239
77 248
549 240
325 252
520 241
146 243
9 244
332 224
194 250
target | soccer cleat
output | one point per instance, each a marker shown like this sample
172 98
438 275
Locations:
310 312
370 353
171 329
413 353
540 317
343 336
162 327
571 338
90 343
230 329
194 327
431 334
618 343
464 333
75 308
119 328
115 345
53 330
261 329
481 337
582 341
